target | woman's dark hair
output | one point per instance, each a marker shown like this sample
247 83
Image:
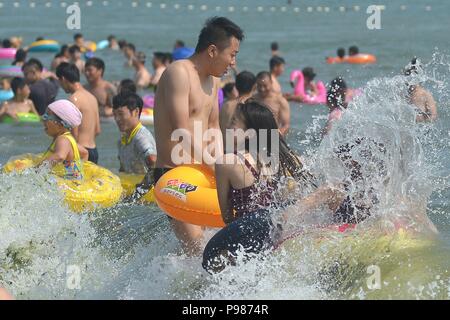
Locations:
218 31
128 99
21 56
336 94
127 85
260 118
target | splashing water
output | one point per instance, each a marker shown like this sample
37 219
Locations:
130 252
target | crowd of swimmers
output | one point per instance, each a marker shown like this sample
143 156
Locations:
249 189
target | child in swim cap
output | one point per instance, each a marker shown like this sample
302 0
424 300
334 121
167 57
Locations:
59 119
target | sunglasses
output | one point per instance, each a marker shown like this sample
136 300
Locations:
50 117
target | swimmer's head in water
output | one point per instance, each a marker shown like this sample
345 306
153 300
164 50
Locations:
129 50
245 82
127 108
309 73
276 65
68 74
353 50
94 69
264 83
158 59
139 59
32 70
78 39
341 53
75 52
219 39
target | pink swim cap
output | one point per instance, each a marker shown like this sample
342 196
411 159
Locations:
67 111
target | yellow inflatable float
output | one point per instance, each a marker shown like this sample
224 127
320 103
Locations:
100 188
129 182
188 193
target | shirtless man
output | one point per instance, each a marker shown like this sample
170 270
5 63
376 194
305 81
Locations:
245 85
69 78
275 101
142 77
420 97
103 90
276 70
187 94
159 67
20 102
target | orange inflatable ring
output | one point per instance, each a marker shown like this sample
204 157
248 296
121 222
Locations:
332 60
188 193
361 58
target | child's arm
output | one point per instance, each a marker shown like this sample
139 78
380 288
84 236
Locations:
62 150
84 154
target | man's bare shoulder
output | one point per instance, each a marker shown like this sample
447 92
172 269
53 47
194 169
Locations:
176 74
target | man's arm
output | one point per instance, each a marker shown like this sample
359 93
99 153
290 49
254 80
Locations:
213 123
284 116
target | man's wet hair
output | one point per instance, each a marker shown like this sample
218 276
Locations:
68 71
127 85
228 88
218 31
179 43
17 83
131 46
111 37
168 58
263 74
33 63
122 43
39 38
74 49
353 50
274 46
276 61
97 63
128 99
245 81
161 56
341 52
77 36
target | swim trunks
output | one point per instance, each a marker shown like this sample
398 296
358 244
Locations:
93 155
